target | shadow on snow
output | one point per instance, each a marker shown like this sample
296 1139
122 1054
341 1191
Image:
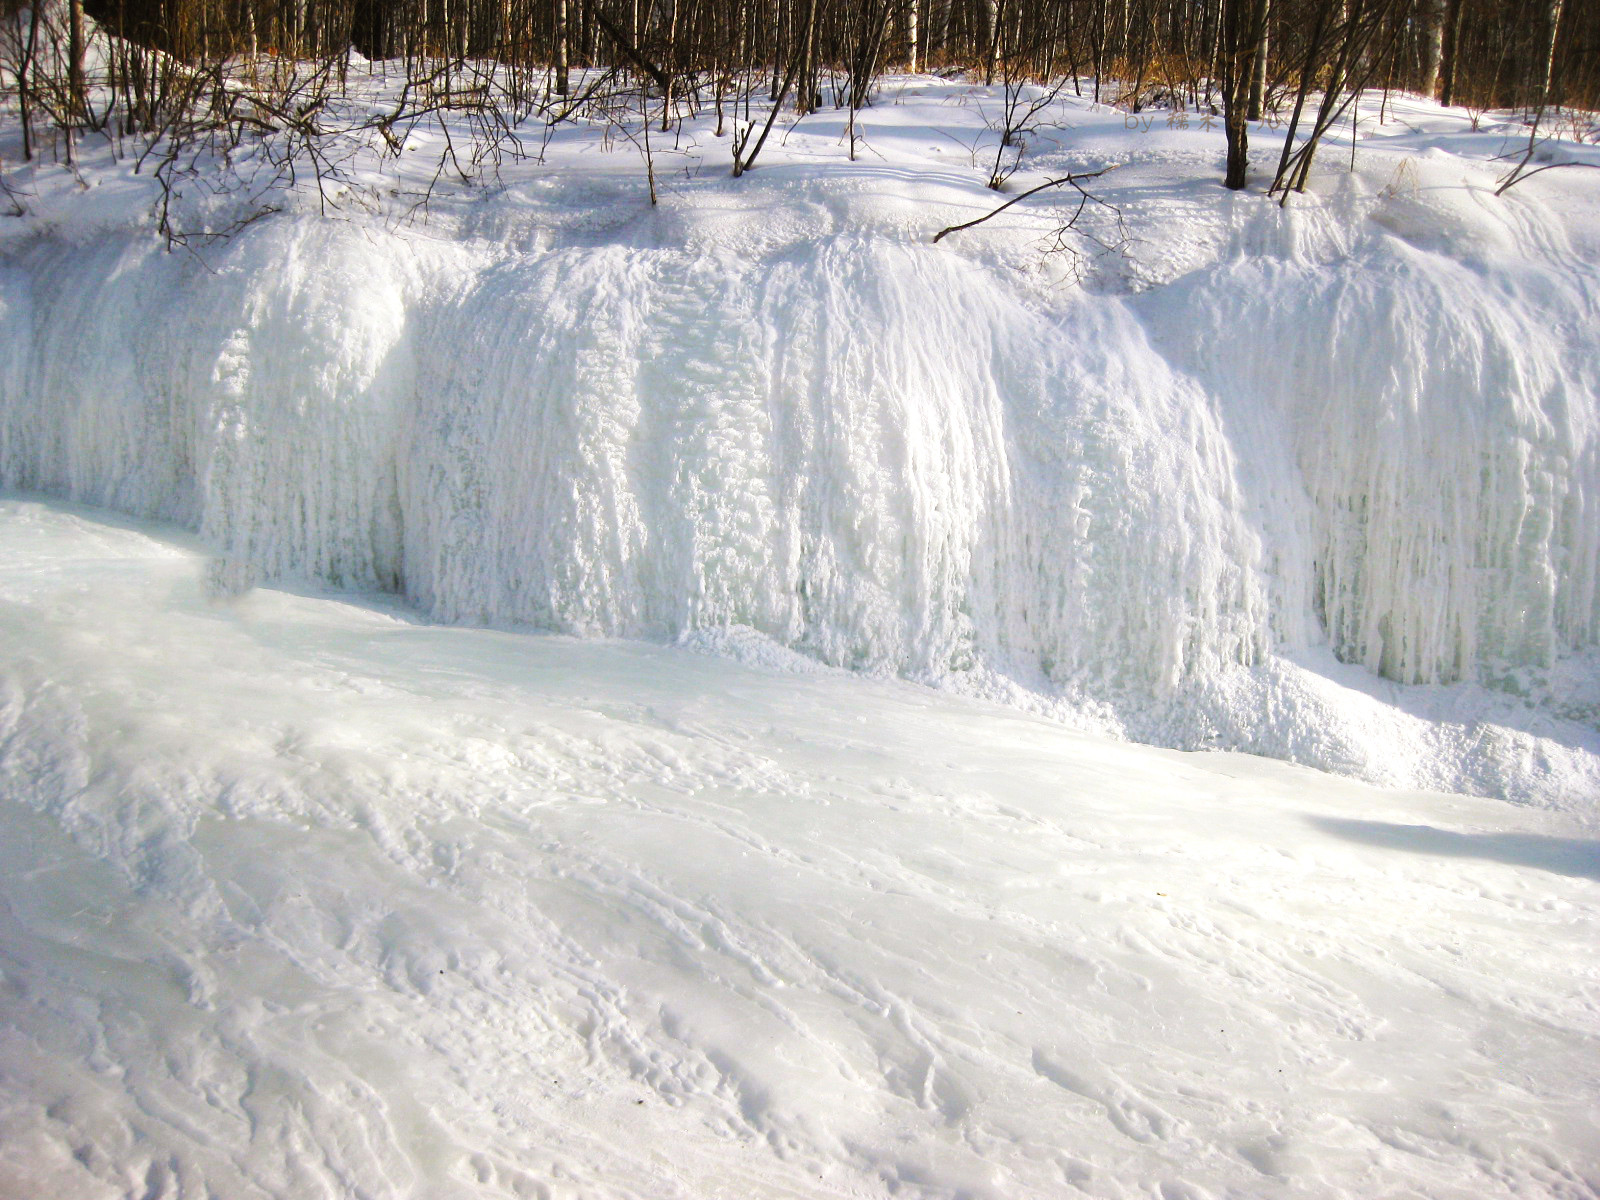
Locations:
1563 856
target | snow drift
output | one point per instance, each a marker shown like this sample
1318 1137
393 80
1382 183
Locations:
305 898
1367 427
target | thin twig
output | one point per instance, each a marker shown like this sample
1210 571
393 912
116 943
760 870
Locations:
1075 181
1519 174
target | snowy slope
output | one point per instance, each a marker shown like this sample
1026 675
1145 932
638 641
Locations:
303 897
1223 484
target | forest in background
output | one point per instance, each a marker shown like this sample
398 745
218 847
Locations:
202 77
1489 53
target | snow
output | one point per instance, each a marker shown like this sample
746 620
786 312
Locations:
592 700
1164 486
304 896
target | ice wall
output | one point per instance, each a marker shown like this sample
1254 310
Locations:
870 452
877 451
1441 423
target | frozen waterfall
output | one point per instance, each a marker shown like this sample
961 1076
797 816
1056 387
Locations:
887 455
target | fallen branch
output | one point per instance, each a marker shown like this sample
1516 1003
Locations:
1518 174
1074 181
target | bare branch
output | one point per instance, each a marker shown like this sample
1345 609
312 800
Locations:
1519 174
1074 181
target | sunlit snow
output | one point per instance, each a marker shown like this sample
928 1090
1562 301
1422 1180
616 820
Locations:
303 897
674 877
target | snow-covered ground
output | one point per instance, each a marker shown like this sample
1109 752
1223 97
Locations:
671 879
302 896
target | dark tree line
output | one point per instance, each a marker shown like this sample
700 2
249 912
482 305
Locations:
178 64
1490 53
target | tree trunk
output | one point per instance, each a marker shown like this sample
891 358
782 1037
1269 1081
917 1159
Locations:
1238 135
1242 34
563 64
671 68
991 39
805 98
1430 19
77 92
24 80
1258 76
1545 59
1451 51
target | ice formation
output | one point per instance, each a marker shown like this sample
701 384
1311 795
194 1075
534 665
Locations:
889 455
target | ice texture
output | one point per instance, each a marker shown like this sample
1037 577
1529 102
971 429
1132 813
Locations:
1364 427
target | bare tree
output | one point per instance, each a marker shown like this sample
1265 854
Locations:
174 71
1241 40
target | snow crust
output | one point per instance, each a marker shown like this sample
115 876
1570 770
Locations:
304 897
1178 499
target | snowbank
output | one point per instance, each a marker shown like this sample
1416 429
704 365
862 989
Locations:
308 898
